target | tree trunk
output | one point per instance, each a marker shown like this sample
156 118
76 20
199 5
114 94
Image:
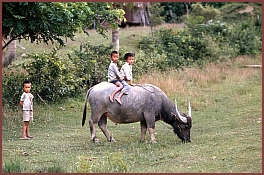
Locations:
141 11
115 38
10 54
187 9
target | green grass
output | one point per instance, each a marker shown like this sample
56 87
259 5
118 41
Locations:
128 40
226 135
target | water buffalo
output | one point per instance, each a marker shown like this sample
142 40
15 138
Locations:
145 103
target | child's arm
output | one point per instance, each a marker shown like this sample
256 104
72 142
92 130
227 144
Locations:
21 104
131 83
114 68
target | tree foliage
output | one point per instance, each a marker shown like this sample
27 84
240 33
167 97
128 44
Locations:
155 15
173 11
207 12
49 22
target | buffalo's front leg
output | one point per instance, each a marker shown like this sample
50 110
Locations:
143 131
92 131
152 137
102 124
150 124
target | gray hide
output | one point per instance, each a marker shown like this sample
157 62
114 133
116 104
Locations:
145 104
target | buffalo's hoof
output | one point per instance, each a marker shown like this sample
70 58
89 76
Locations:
95 140
112 140
186 141
143 141
154 141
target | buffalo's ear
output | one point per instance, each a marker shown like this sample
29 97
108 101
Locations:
176 117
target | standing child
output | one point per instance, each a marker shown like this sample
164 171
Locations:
115 77
126 69
26 103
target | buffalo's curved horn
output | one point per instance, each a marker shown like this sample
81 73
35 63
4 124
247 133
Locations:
189 107
183 119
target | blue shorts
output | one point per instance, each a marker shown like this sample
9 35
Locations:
126 87
114 81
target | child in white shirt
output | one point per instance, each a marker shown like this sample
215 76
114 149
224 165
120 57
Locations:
26 103
126 69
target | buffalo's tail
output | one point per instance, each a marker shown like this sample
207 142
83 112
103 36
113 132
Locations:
85 106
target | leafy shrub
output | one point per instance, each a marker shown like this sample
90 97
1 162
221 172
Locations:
207 12
52 78
247 37
230 12
147 61
91 63
180 48
12 79
199 44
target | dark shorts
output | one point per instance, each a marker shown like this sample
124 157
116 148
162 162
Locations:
114 81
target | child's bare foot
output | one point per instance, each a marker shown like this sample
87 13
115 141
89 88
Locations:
111 98
119 101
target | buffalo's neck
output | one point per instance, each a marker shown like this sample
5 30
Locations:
167 108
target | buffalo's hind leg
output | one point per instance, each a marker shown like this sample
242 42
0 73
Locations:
102 124
143 126
92 131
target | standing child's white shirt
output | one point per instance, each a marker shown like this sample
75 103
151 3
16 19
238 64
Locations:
27 99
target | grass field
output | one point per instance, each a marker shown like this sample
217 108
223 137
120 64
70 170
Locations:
128 40
226 135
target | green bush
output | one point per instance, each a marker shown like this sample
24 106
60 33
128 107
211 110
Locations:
230 12
12 79
207 12
199 44
180 48
52 78
247 37
91 63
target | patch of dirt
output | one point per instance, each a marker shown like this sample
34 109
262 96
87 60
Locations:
248 9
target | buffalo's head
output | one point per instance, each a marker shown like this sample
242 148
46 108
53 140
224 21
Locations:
182 123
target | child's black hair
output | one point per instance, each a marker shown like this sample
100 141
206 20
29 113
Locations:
114 52
127 55
26 82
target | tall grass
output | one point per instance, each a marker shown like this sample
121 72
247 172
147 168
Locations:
183 81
